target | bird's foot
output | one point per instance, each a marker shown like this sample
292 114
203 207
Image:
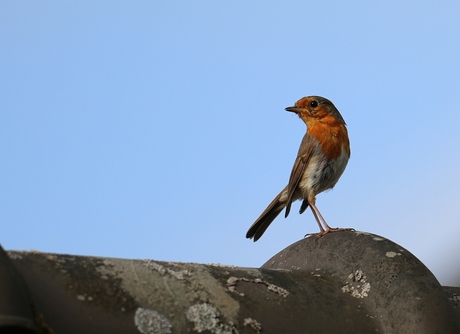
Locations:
328 230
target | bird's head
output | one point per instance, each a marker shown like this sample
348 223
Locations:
316 108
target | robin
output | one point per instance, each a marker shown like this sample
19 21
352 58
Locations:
322 158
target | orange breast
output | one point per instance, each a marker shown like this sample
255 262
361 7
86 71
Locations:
331 135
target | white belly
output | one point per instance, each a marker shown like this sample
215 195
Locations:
322 174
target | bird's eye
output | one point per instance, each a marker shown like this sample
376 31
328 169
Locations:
314 104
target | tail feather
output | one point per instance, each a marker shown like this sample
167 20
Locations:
304 206
266 218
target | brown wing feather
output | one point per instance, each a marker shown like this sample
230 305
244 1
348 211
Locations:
306 151
307 147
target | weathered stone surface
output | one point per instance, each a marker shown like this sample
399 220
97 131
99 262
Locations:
392 286
345 282
15 310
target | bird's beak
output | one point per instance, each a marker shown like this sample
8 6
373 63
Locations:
293 109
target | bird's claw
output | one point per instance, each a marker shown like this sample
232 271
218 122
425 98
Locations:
329 230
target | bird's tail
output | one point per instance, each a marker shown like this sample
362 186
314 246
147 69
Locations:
266 218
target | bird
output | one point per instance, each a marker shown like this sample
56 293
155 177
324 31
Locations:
322 158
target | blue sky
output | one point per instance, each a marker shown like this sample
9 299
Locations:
157 130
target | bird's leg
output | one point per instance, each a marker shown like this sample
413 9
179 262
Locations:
322 231
320 219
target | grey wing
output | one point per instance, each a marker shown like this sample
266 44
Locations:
306 150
